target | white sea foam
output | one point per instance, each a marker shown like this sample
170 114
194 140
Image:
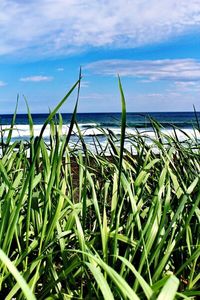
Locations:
23 131
85 125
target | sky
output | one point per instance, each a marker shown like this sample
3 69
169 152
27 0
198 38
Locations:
154 46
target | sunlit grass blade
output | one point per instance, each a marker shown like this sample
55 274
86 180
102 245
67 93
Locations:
22 283
123 129
169 290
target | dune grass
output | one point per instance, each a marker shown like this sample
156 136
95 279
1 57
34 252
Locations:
75 224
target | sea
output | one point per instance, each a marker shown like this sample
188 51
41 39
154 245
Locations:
91 125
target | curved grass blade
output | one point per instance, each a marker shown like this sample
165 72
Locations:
123 129
13 270
169 289
144 285
101 281
121 284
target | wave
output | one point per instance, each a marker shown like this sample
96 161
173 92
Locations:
88 125
23 132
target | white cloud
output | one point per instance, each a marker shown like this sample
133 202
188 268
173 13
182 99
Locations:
154 95
188 86
2 83
176 70
84 84
60 69
48 27
36 78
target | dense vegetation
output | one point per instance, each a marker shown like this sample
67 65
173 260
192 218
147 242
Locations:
81 225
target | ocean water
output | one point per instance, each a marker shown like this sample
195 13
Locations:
90 124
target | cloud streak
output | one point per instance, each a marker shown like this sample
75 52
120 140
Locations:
176 70
50 28
37 78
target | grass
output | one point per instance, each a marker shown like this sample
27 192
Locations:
81 225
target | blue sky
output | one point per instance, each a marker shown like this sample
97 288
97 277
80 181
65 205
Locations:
153 45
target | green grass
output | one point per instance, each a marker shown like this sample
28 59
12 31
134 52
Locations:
117 227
